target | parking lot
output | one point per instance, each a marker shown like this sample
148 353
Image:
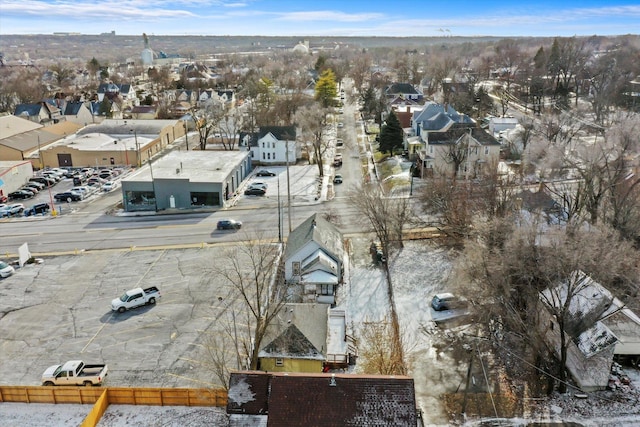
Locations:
60 310
46 195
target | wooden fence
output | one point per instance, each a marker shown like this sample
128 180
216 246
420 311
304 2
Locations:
102 397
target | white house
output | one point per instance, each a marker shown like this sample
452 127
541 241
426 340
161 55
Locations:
314 259
273 145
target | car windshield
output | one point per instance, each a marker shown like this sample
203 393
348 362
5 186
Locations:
3 265
124 297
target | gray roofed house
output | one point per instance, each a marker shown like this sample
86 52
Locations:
314 258
301 400
481 156
297 336
592 316
404 90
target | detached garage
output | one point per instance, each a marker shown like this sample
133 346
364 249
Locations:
186 180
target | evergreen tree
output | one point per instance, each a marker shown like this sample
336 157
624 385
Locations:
391 134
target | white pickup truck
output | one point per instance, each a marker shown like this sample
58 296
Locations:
74 372
135 298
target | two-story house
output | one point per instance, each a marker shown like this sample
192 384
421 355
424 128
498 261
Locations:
42 113
274 145
463 150
314 258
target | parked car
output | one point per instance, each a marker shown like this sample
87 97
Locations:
85 190
97 180
35 184
108 186
228 224
255 191
135 298
339 143
337 162
265 172
52 175
258 184
74 372
445 301
68 196
21 194
40 208
5 269
79 180
105 175
340 125
12 210
337 179
44 180
28 188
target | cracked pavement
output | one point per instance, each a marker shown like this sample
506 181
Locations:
61 310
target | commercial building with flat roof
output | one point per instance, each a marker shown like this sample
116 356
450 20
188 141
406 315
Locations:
186 180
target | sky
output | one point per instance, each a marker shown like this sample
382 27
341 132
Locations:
394 18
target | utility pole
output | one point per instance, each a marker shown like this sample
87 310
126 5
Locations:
288 183
279 214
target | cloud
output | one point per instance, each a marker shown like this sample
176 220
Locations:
328 15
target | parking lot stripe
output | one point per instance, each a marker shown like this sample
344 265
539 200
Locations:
96 334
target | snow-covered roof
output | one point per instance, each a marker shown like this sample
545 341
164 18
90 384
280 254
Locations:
319 276
298 331
319 259
588 302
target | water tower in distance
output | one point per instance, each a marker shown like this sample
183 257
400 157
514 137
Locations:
147 53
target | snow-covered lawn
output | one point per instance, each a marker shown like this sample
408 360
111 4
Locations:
418 272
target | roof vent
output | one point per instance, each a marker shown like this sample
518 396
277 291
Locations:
332 383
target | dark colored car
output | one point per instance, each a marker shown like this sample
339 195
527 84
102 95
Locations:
228 224
68 196
21 194
265 172
79 180
40 208
255 191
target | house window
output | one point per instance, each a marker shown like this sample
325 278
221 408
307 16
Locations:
326 289
430 149
295 266
263 156
263 145
279 362
268 156
273 145
486 151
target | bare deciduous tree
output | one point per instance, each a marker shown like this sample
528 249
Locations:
507 279
253 268
312 121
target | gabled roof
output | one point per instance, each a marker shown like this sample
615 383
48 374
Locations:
438 122
319 230
319 259
73 108
302 400
28 110
459 130
291 344
588 302
281 133
306 340
403 88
